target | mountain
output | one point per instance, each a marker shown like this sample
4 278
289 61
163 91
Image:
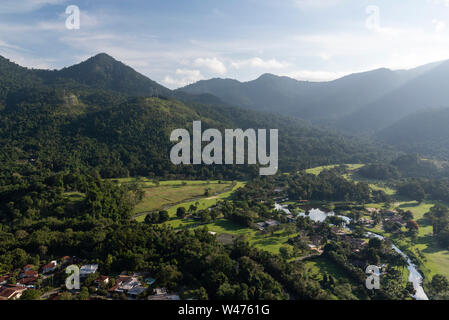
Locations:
98 73
104 72
426 132
73 119
430 89
357 103
101 72
314 101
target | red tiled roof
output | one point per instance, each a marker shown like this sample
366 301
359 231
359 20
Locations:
11 291
49 265
27 281
102 278
30 274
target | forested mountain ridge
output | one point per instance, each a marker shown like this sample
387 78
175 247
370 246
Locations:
428 90
316 101
67 125
358 103
65 131
101 72
426 132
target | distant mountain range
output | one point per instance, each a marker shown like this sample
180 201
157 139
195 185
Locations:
102 114
404 108
358 103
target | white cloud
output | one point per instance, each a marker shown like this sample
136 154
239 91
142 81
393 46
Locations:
439 25
440 2
213 64
257 62
183 77
14 6
315 3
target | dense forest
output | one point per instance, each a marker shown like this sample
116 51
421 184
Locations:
63 133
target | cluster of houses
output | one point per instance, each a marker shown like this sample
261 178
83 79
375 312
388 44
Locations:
266 224
12 288
27 279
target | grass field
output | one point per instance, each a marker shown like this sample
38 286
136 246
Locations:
437 259
317 170
160 197
176 191
320 265
222 227
74 196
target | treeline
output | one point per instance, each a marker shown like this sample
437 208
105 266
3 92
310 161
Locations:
439 218
406 166
329 185
39 223
121 137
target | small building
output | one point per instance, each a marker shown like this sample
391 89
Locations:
136 291
28 274
162 294
11 293
88 269
102 280
28 267
27 282
66 260
49 267
4 279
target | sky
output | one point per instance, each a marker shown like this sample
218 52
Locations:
178 42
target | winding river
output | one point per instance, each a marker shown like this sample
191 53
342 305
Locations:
415 277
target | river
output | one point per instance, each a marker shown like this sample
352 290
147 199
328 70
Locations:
415 277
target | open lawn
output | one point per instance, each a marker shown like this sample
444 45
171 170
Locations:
157 198
317 170
320 265
74 196
223 191
436 258
264 241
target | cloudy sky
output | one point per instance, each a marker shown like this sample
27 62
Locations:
177 42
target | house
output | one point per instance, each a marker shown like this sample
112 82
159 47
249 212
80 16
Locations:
261 225
66 260
49 267
162 294
27 282
11 293
88 269
102 280
130 284
291 218
28 274
4 279
125 283
28 267
267 224
136 291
